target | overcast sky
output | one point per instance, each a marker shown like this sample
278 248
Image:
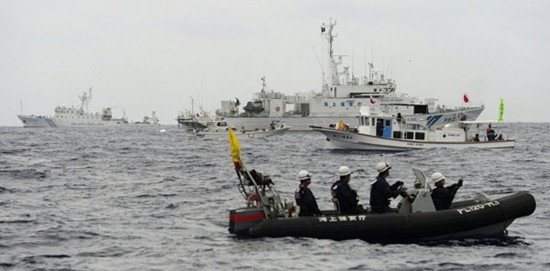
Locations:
141 56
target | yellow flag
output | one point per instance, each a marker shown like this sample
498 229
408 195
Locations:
235 147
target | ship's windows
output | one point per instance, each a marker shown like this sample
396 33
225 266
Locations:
409 135
326 103
359 104
397 134
343 104
334 104
351 103
366 121
420 136
373 122
388 123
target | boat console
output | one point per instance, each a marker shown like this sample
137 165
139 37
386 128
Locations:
419 199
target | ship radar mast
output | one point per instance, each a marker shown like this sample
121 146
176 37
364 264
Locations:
263 85
331 78
85 99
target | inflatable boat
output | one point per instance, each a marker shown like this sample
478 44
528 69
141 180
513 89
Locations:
415 217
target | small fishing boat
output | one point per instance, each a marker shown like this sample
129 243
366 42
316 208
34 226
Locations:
223 133
378 131
220 129
415 218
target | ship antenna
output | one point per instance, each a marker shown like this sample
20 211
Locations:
85 99
320 65
326 31
192 105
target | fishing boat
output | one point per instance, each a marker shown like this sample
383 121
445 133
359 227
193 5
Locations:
74 116
378 131
342 95
415 217
221 130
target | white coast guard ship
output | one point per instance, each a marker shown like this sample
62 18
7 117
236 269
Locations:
73 116
341 98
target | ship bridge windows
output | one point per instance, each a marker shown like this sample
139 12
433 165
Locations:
421 109
364 121
420 136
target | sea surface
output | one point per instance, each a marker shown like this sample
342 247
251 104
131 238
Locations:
133 198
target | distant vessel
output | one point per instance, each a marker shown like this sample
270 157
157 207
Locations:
223 133
153 120
74 116
381 132
341 98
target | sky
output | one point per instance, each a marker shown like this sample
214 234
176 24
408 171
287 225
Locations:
143 56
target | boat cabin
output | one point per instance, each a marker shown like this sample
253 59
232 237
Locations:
374 122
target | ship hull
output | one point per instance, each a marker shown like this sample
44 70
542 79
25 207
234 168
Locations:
357 141
304 123
31 121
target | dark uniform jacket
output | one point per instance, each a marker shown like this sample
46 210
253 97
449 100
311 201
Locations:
443 196
380 194
305 199
347 197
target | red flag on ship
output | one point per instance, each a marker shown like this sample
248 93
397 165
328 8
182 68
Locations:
371 100
466 99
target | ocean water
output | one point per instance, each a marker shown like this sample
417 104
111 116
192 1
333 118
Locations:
133 198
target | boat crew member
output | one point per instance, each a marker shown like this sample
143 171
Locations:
491 136
476 138
381 192
304 197
399 117
443 196
347 197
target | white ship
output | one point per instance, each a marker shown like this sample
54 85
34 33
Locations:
152 120
378 131
73 116
341 98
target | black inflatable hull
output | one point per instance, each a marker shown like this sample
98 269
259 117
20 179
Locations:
481 219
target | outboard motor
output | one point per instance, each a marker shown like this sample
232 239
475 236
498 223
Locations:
262 200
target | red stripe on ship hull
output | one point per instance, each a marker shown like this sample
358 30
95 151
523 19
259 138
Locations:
246 218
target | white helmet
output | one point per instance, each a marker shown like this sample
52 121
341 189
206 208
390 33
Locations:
344 171
303 175
382 166
436 177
